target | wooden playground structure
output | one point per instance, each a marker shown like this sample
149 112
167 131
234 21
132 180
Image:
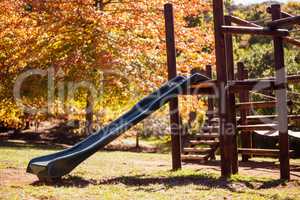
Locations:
232 83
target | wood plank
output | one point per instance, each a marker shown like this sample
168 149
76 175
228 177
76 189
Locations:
255 105
196 150
292 41
284 22
207 142
204 136
290 78
261 152
242 22
254 31
252 84
262 117
257 127
212 83
206 84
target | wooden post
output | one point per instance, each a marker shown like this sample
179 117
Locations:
231 113
210 101
246 138
172 72
210 106
218 14
281 96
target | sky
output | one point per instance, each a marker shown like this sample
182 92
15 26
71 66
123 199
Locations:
246 2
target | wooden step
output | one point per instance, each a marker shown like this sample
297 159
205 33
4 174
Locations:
257 127
198 158
211 121
207 142
261 152
196 150
205 136
210 129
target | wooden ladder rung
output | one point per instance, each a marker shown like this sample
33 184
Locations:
196 150
205 136
207 142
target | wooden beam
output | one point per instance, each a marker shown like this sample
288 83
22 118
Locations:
253 85
256 105
172 72
291 41
260 152
281 96
218 15
284 22
285 14
206 84
257 127
231 113
290 79
242 22
254 119
254 31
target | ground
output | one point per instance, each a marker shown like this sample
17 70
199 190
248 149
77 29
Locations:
130 175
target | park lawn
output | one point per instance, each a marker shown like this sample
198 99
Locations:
126 175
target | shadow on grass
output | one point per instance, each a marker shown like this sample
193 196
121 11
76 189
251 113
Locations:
144 182
264 166
69 181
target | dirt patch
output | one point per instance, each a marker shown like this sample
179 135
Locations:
16 177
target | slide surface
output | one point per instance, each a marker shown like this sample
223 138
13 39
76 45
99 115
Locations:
61 163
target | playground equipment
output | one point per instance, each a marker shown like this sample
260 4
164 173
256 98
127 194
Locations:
228 87
58 164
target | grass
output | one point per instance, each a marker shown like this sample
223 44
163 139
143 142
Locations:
126 175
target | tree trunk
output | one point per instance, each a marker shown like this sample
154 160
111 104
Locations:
89 114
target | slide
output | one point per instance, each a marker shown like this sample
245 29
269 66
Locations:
61 163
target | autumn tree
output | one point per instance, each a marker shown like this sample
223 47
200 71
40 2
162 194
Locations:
121 43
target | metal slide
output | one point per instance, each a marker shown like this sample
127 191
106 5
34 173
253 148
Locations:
61 163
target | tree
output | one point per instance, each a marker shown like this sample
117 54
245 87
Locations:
88 44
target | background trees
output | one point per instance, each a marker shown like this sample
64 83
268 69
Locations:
117 46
